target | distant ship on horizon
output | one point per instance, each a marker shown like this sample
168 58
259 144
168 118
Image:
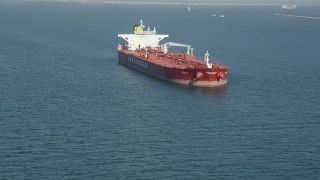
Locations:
289 6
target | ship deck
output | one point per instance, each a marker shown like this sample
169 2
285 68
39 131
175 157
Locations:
171 59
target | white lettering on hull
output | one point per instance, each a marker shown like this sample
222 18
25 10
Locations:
137 62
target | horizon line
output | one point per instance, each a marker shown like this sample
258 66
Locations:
168 3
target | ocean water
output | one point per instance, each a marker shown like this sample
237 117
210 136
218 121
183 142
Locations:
68 110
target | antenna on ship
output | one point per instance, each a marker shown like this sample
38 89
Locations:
141 24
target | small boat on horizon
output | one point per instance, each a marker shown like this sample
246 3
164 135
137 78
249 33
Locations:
289 6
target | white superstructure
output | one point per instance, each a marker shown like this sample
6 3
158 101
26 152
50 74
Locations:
142 39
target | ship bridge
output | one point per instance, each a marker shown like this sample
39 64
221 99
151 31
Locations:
142 39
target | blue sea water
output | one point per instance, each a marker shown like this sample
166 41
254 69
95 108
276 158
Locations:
68 110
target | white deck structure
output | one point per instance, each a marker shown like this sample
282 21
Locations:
142 39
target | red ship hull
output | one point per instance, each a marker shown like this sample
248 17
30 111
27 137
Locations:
191 75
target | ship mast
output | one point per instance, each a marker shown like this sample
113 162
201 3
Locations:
206 58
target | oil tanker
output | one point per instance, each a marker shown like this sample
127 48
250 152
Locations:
143 52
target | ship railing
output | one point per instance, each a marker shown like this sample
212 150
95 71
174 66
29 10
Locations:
145 33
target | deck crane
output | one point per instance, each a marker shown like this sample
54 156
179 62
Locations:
167 45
